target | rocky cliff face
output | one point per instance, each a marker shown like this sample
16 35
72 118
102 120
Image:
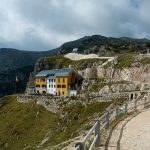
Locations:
139 74
119 76
138 70
132 68
42 64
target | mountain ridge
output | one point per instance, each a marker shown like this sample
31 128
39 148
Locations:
87 42
14 62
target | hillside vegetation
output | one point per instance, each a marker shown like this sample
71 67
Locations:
106 45
145 60
125 60
11 59
26 125
21 126
59 61
17 63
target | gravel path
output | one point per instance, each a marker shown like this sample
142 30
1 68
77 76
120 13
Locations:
131 134
77 56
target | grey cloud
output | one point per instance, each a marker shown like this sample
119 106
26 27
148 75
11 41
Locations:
42 25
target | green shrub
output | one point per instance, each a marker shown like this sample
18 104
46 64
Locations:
124 60
145 60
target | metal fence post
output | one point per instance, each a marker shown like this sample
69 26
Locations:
135 105
97 132
148 102
107 119
126 108
145 100
117 113
81 145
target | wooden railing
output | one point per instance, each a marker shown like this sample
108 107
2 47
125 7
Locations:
108 117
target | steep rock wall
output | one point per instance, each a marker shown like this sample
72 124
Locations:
140 74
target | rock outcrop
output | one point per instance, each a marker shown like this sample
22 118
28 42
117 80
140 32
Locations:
140 74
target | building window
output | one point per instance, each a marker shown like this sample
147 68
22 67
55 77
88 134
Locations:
54 86
49 80
59 92
58 86
63 80
44 92
63 93
63 86
49 86
37 85
54 80
44 86
58 80
43 80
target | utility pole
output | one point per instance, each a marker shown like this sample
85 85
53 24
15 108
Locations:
16 81
147 51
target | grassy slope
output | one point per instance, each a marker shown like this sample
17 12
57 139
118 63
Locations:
21 127
76 123
124 60
145 60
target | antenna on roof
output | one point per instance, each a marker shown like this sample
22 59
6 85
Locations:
70 66
147 51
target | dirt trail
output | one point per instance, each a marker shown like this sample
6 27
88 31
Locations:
77 56
131 134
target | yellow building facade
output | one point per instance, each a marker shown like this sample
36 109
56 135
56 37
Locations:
57 82
62 86
66 83
40 83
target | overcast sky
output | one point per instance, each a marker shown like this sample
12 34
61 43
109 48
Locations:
46 24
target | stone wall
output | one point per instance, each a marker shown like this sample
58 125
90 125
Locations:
56 104
50 103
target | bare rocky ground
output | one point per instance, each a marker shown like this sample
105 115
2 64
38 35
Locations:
76 56
132 133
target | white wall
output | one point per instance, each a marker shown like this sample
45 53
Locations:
72 93
51 85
